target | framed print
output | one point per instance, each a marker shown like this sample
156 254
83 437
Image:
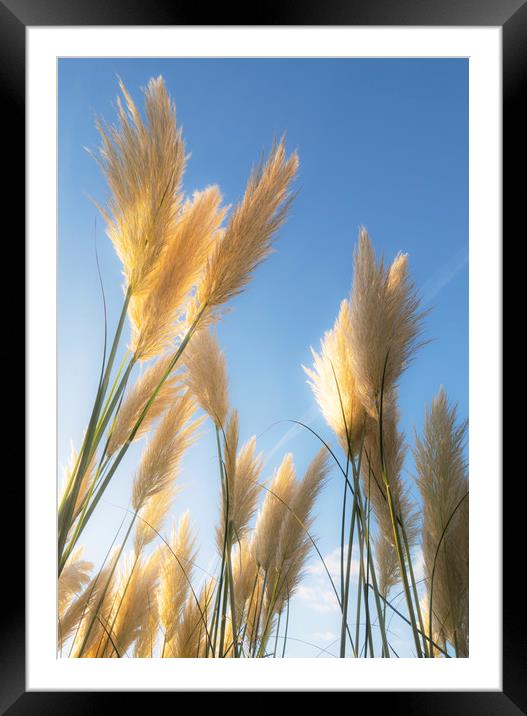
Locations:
264 354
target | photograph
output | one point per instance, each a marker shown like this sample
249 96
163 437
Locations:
262 358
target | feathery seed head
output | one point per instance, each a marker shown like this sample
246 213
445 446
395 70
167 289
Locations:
333 383
152 516
376 468
137 399
245 571
273 512
190 638
149 625
161 458
143 162
443 483
207 375
97 601
176 576
72 578
384 323
247 239
242 471
155 315
137 582
294 543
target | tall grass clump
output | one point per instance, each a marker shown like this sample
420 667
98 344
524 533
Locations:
354 379
183 259
443 483
163 604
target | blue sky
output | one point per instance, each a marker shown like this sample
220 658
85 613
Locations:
382 143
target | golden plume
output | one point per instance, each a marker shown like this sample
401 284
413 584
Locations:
333 383
206 375
143 162
72 578
443 483
384 323
242 470
272 514
176 576
155 315
294 543
161 458
247 239
137 399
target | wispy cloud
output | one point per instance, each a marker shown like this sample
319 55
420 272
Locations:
332 562
324 636
444 275
292 432
418 564
316 590
320 600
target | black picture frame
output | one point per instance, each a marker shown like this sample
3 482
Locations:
511 15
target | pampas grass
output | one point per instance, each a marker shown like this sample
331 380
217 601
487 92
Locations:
354 380
333 382
162 455
443 484
183 259
385 323
181 265
206 376
176 577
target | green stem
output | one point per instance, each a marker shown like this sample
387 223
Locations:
414 589
276 635
232 605
257 624
133 433
393 518
382 626
88 448
368 562
286 628
345 597
223 618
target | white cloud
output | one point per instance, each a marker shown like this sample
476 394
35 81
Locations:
293 431
444 275
316 590
320 600
325 636
418 565
332 561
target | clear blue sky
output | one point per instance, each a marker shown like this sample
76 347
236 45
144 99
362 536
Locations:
382 143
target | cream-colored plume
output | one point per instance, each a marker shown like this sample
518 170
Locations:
242 471
247 239
136 400
155 315
206 375
294 543
384 323
176 576
72 578
443 482
278 499
161 458
333 382
143 162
